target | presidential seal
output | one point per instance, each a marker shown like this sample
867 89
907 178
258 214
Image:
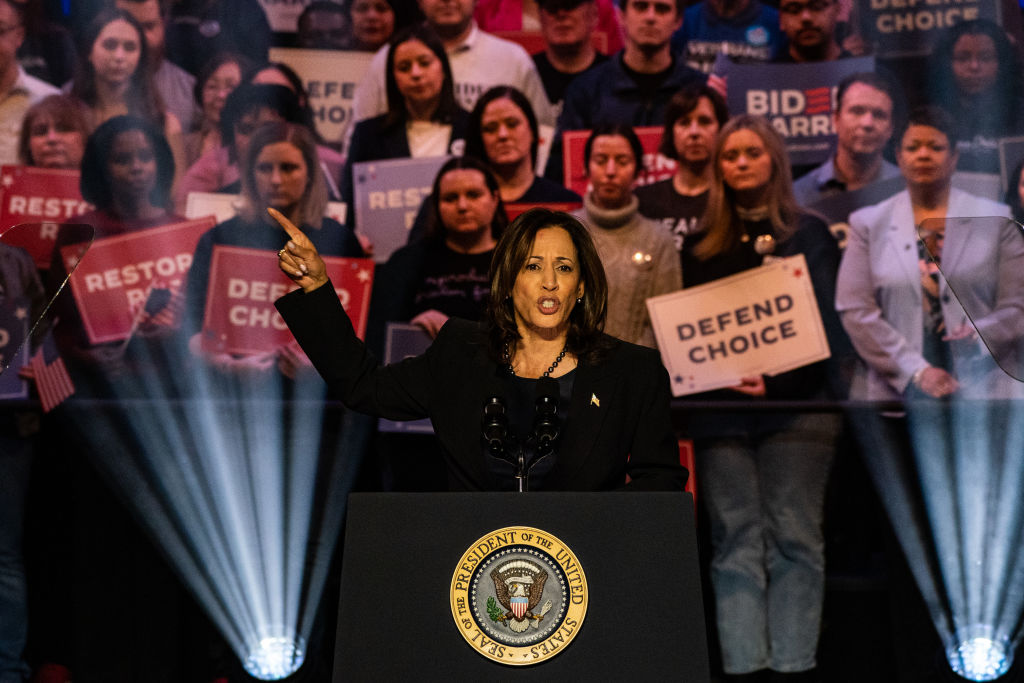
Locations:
519 596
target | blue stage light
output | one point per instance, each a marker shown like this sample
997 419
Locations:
979 655
275 655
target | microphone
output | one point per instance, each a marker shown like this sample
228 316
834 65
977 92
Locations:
545 424
495 426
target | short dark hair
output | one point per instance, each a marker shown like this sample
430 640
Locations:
290 75
934 117
622 130
684 102
680 6
878 82
250 97
95 180
447 105
474 133
586 322
307 119
435 229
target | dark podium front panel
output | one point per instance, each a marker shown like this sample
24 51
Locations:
644 618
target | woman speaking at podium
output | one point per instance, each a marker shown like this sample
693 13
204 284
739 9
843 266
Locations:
535 394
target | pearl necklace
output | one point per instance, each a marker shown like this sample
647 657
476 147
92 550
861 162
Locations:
508 362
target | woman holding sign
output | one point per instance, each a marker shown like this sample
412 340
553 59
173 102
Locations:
763 474
541 333
280 170
127 171
901 318
430 280
423 117
446 273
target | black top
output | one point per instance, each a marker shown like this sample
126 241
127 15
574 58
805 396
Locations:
544 191
619 415
455 284
680 214
371 141
522 414
557 82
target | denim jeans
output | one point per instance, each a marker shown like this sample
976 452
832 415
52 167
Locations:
764 492
15 464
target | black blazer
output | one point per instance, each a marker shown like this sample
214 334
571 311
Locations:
371 141
619 419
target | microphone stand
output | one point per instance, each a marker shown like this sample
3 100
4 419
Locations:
504 446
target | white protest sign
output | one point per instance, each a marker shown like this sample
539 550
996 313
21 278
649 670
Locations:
762 321
330 77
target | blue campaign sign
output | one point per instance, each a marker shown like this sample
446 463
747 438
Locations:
14 321
388 195
405 341
797 99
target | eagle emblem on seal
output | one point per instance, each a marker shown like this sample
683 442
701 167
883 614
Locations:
519 586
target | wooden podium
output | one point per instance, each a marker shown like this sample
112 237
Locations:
644 617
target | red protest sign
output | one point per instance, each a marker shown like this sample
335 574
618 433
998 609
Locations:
244 283
656 166
113 278
47 196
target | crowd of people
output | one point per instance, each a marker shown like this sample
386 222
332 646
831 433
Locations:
161 99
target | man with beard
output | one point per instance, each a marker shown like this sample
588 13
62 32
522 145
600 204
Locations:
810 26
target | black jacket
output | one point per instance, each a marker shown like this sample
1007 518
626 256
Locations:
619 418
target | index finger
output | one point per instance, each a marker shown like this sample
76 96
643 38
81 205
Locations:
294 233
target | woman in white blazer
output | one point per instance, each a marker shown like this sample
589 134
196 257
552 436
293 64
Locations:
881 300
879 292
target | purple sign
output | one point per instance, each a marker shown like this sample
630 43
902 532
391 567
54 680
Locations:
388 195
797 99
14 321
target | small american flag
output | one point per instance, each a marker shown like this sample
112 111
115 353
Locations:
162 307
47 370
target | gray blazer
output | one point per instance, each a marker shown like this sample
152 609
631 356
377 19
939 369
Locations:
878 294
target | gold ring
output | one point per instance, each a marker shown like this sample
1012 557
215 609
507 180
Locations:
280 253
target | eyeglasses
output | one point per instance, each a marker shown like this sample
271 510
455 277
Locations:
796 8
